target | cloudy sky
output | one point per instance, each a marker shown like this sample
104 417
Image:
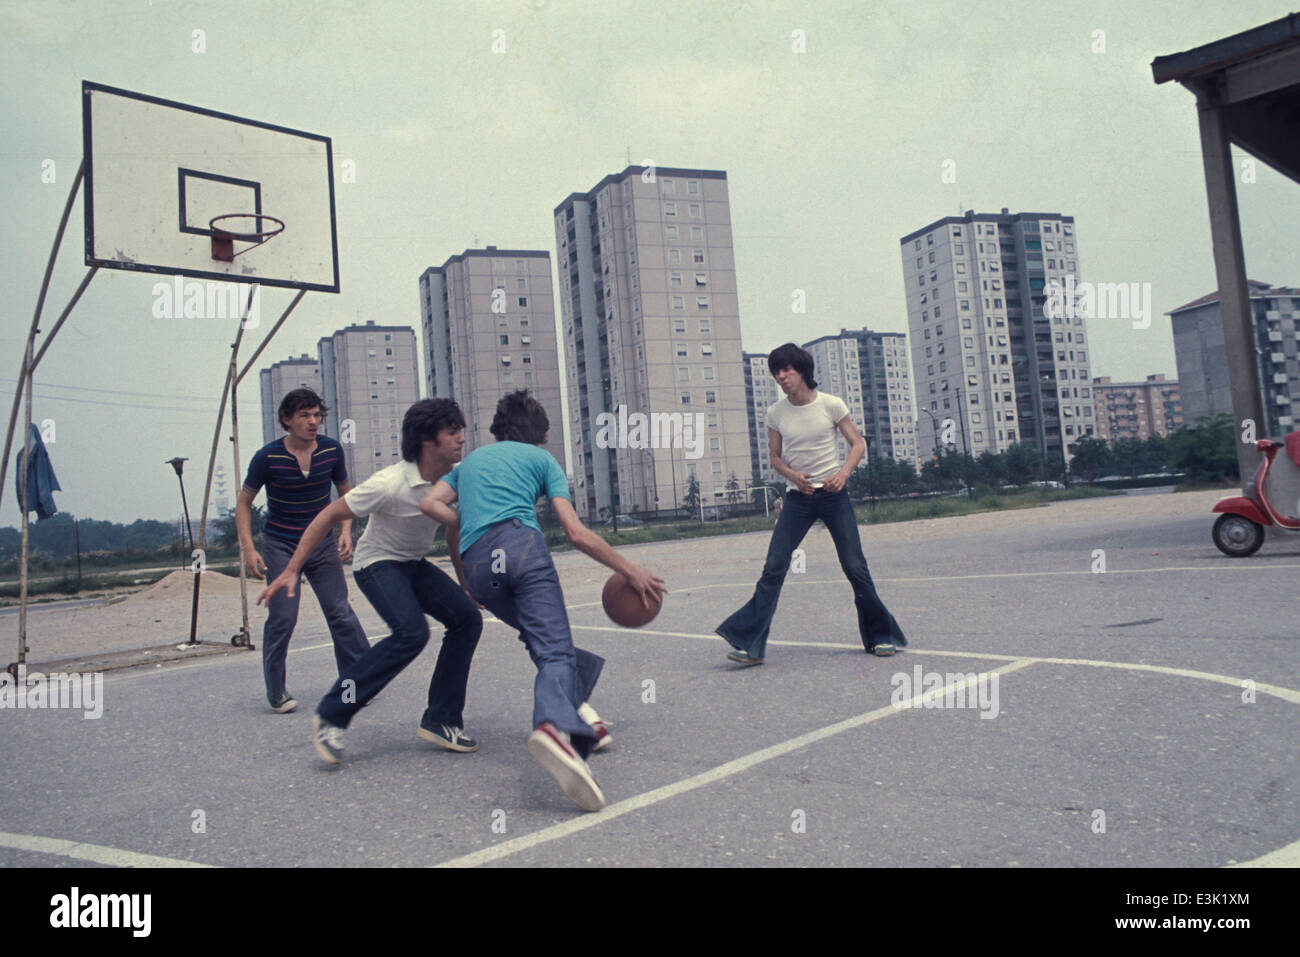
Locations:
832 155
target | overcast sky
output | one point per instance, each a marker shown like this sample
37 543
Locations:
832 155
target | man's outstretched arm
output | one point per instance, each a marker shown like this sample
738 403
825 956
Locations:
313 534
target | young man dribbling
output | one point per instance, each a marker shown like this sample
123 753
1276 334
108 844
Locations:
504 562
801 431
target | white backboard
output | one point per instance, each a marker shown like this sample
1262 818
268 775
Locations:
157 172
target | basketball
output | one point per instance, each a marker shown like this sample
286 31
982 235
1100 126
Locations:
623 603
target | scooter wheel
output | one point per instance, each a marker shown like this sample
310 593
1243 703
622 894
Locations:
1237 536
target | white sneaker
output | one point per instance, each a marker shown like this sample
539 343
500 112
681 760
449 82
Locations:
328 739
551 749
603 736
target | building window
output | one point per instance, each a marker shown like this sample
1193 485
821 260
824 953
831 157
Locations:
670 232
505 340
670 209
679 303
675 280
701 279
701 302
679 325
697 255
711 398
674 257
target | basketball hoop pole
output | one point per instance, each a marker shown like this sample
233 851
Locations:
230 392
24 390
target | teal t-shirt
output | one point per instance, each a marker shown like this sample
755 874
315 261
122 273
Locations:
500 482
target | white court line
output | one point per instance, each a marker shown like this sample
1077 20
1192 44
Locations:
955 578
1286 694
1288 856
721 772
96 853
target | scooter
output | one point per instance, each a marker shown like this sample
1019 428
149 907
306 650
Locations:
1272 498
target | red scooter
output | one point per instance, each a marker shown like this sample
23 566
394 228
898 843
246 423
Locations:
1272 498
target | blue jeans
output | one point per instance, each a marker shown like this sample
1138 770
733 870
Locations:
324 570
509 571
403 593
747 629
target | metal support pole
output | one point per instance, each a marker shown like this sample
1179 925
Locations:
25 388
241 639
1230 268
36 318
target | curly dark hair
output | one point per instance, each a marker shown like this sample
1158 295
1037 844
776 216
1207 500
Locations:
425 420
520 418
295 401
800 360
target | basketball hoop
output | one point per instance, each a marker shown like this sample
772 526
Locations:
223 240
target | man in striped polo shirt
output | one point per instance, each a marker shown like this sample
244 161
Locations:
297 471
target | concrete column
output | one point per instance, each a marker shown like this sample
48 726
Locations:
1230 267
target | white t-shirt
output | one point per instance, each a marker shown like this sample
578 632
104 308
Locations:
808 434
397 531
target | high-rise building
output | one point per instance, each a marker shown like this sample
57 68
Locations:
1136 410
280 378
1202 360
652 331
488 317
886 389
371 377
761 393
988 359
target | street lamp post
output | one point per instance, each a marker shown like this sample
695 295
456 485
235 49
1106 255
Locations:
934 427
178 464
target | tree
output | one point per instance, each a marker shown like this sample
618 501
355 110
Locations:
692 496
1127 456
1207 451
1022 461
991 469
733 489
228 534
1091 458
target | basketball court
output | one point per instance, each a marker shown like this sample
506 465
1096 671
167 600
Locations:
1145 717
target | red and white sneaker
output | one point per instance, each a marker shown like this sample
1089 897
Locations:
603 736
551 749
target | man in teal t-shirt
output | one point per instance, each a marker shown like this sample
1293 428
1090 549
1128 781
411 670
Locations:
505 565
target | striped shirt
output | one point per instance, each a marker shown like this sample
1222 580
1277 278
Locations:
292 499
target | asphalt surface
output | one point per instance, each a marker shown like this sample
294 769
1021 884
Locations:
1138 723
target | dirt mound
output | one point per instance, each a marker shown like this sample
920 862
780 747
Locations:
181 584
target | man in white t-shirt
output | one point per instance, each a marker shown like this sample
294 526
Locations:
801 431
390 568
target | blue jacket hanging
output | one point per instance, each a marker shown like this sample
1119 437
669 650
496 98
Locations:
41 481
